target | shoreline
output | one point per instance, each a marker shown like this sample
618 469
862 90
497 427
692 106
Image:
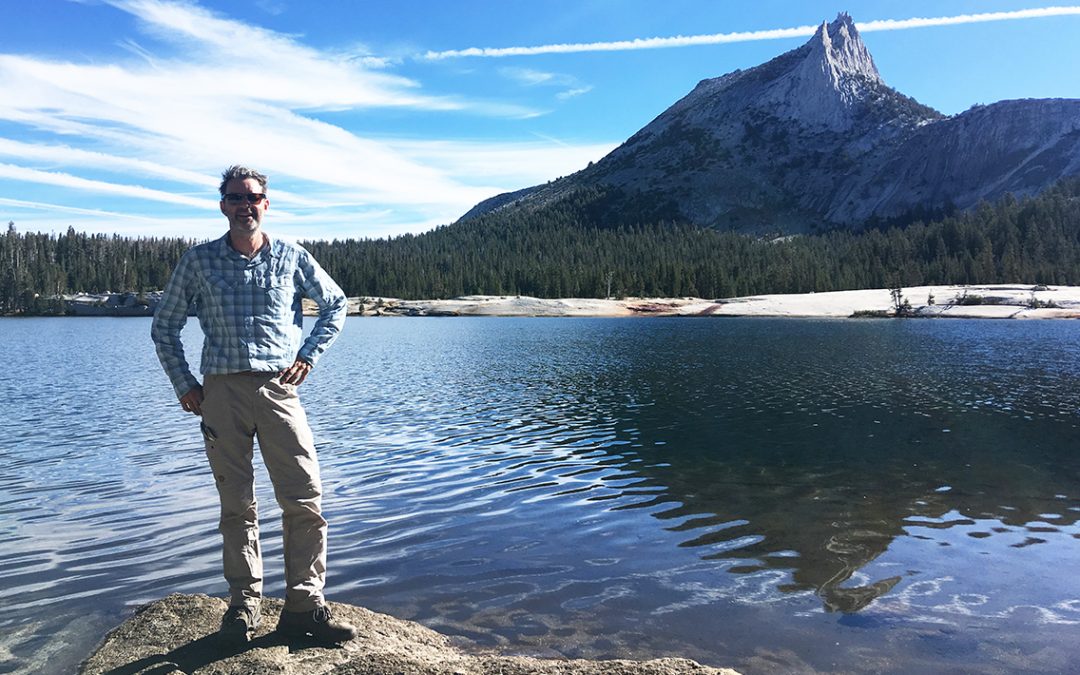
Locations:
987 301
975 301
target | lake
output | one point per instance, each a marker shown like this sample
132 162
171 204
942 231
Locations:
773 495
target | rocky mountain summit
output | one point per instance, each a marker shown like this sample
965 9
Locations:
815 139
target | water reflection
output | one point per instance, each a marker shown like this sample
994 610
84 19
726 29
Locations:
815 460
788 458
594 488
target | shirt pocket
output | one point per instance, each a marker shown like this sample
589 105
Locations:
218 282
218 290
278 289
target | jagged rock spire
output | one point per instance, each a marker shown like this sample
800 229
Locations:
842 51
834 72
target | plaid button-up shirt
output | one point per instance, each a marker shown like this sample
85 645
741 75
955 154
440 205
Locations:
249 310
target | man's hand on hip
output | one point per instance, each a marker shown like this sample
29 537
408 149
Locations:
192 401
296 373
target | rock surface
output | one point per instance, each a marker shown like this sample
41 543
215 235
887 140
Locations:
993 301
178 635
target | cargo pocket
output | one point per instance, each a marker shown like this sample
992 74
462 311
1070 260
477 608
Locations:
208 435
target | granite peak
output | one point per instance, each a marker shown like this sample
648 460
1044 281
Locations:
813 139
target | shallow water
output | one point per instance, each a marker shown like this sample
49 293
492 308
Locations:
771 495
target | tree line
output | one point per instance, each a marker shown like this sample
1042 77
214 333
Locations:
35 268
558 252
550 253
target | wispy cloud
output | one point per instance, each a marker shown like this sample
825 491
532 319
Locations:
515 163
530 77
56 154
203 91
571 93
537 78
66 180
25 204
745 36
270 6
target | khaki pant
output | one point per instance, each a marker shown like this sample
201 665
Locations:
236 409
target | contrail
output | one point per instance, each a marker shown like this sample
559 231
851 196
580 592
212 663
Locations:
749 36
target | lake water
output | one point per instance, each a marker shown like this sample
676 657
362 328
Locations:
772 495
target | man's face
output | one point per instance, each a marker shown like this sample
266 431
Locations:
244 216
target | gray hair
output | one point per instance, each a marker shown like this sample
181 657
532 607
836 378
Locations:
241 172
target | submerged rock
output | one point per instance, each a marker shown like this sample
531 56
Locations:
178 634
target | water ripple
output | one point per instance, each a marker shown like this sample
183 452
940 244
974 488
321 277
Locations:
602 488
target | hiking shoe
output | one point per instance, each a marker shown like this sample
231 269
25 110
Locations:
317 623
240 622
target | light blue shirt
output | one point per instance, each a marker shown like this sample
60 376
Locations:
249 310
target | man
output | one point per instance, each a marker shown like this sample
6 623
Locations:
246 289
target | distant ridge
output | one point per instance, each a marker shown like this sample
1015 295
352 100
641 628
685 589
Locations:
811 139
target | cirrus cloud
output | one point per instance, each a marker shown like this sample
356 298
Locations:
146 136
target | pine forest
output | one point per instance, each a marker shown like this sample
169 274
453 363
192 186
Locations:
560 252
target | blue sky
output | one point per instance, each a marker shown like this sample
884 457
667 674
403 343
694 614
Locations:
382 117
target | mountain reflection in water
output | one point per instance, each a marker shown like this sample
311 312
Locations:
815 459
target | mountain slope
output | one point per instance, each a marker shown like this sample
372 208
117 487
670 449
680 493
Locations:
815 138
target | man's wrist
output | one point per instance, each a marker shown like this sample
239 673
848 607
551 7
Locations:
186 384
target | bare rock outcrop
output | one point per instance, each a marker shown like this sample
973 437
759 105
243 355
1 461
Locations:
178 634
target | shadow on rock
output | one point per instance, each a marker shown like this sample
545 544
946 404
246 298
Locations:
179 635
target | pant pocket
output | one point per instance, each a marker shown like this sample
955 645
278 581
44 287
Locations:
208 434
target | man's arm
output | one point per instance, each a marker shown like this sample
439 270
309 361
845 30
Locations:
169 320
333 305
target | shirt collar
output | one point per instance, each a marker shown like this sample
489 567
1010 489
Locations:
271 249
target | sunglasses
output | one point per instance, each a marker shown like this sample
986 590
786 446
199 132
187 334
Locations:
236 198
